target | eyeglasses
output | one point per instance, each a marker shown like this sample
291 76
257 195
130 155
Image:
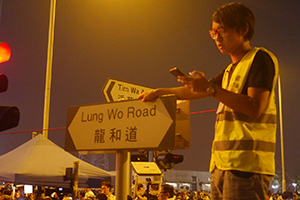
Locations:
220 31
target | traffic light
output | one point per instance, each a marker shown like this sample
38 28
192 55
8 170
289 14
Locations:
4 52
139 158
167 161
9 115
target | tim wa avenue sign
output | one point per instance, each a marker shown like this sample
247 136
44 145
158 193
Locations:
128 124
116 90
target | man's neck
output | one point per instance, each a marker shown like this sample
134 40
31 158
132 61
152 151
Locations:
240 52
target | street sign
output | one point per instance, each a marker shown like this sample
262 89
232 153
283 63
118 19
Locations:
116 90
122 125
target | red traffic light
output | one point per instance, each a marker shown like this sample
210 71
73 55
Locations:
4 52
167 161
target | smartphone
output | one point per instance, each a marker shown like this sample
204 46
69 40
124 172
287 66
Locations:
176 72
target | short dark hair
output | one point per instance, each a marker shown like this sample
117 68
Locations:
7 192
168 189
82 193
140 186
106 183
236 16
154 186
101 196
287 195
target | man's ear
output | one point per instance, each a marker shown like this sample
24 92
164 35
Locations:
168 194
244 30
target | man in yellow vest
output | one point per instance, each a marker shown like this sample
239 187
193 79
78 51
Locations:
243 150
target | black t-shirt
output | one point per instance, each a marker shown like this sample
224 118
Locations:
261 73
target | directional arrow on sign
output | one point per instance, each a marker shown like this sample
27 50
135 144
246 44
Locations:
116 90
122 125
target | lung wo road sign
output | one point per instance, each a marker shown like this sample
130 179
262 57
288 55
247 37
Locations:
122 125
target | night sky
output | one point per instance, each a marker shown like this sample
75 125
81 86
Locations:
138 42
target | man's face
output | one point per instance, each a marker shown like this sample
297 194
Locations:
105 190
163 195
227 40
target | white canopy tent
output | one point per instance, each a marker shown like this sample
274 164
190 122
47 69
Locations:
41 162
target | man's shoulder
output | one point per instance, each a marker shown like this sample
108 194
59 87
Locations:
112 197
262 54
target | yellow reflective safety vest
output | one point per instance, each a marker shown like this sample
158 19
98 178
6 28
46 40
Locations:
241 142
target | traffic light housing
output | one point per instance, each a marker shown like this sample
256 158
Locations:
167 161
139 158
9 115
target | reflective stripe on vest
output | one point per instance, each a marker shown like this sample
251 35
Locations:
231 116
246 145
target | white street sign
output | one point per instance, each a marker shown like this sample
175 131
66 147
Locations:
116 90
122 125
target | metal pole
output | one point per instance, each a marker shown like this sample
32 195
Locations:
75 186
49 68
281 135
122 177
0 10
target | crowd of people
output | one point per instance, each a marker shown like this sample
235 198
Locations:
153 193
106 192
168 193
52 193
286 195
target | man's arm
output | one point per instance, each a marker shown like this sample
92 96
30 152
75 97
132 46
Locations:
182 93
252 104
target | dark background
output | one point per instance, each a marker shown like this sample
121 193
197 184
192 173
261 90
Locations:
136 41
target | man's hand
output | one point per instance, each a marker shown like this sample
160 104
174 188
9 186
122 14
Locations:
148 96
197 82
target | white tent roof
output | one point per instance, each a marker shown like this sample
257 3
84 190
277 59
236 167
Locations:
41 162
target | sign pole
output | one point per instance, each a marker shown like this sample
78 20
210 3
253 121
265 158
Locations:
123 174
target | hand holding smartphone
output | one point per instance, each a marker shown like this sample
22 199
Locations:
176 72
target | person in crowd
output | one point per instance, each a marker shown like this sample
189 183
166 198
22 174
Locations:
21 193
269 195
32 196
81 194
89 194
6 197
153 193
190 195
166 192
183 194
67 198
206 196
106 189
196 195
141 192
243 150
48 198
132 187
296 195
101 196
7 192
278 196
287 195
201 195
